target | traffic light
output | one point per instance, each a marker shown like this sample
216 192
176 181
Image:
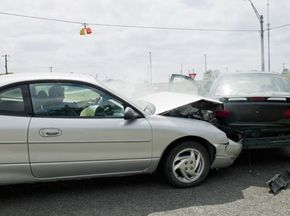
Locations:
83 31
86 30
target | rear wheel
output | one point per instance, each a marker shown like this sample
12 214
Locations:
187 164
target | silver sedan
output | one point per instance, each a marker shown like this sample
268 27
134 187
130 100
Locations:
70 126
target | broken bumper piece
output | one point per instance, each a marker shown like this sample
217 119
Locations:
279 181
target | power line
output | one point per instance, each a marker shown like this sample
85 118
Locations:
138 26
281 26
129 26
40 18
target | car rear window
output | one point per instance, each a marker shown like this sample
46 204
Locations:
250 84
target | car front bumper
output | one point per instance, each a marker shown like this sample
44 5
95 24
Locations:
226 154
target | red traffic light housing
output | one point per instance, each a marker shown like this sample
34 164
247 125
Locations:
86 30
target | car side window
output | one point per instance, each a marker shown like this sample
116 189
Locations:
73 100
11 101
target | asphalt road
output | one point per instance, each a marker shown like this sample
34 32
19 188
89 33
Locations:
238 190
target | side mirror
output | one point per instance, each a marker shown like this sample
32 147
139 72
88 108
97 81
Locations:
130 114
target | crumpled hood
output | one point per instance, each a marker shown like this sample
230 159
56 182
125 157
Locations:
167 101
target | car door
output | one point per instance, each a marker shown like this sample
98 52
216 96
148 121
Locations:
85 134
14 121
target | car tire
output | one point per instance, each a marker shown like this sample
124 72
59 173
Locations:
187 164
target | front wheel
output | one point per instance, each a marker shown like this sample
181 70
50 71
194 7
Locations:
187 164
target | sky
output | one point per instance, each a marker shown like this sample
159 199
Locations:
123 53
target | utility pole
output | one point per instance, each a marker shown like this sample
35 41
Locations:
6 60
268 19
50 68
261 20
205 63
150 67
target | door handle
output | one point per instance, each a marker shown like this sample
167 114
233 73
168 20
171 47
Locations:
50 132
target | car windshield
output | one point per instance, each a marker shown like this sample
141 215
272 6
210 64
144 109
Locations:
250 84
181 84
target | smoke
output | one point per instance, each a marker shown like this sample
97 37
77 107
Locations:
137 90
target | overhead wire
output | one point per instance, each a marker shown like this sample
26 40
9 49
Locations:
138 26
129 26
281 26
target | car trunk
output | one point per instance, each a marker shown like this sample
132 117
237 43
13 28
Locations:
257 117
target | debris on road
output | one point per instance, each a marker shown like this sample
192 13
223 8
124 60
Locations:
279 181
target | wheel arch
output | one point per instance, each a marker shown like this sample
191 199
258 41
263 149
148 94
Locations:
209 147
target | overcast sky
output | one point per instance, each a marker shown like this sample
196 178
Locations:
123 53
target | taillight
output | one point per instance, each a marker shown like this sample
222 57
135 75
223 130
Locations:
223 114
287 114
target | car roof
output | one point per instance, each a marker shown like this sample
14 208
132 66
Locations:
249 72
7 79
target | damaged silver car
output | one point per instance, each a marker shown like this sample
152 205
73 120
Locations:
57 126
